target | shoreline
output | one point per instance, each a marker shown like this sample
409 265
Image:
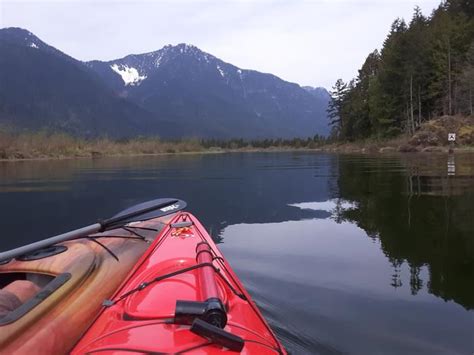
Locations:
344 148
431 137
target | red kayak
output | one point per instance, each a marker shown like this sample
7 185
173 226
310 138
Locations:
181 297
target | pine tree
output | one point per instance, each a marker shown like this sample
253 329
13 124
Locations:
466 83
418 64
424 69
363 107
335 107
393 77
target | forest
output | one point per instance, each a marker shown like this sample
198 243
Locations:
424 70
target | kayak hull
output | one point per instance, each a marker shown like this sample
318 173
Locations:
141 316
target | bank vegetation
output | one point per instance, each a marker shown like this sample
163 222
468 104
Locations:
430 137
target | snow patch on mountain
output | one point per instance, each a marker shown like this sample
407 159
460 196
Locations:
158 60
33 45
239 71
130 75
221 72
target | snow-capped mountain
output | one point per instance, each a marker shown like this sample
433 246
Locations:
177 91
43 88
212 98
135 68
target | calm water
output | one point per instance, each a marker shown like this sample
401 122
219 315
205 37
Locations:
343 254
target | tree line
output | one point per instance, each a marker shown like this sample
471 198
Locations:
425 69
240 143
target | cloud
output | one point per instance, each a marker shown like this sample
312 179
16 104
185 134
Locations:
308 42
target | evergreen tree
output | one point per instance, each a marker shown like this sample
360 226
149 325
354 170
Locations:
335 106
466 84
424 69
365 120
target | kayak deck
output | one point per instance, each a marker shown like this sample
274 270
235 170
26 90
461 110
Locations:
141 317
84 272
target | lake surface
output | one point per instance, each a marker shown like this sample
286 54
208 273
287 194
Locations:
343 254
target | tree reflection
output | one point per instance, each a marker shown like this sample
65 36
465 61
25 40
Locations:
422 216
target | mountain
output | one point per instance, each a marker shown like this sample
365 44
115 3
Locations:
24 38
177 91
209 97
319 92
43 88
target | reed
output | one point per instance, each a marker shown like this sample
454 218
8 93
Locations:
40 145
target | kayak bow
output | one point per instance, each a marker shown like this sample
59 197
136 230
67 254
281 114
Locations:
182 296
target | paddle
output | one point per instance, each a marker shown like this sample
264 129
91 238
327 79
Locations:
141 212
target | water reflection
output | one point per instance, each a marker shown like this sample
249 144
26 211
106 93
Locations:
326 282
451 165
221 189
343 253
329 206
421 217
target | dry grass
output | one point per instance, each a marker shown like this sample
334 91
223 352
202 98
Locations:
58 145
431 137
435 132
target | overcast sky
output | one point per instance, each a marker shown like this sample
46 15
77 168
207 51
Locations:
307 42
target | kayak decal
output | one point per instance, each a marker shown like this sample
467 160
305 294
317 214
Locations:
169 208
184 232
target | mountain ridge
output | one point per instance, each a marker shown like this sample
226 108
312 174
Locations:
186 47
41 88
184 91
262 99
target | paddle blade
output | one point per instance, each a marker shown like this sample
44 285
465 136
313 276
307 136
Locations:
146 210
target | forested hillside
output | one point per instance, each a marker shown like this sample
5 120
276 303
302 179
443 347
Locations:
425 69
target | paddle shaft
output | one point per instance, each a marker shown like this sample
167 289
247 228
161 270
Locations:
165 207
77 233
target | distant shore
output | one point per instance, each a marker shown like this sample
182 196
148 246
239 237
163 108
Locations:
187 148
430 138
332 148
